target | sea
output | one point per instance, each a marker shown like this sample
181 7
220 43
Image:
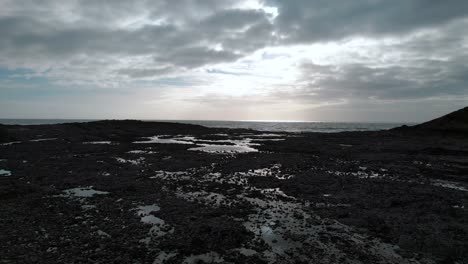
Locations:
274 126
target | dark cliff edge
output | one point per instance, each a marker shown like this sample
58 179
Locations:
455 122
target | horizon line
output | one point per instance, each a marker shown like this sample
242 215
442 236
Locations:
215 120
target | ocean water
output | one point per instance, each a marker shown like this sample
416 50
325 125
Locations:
298 126
327 127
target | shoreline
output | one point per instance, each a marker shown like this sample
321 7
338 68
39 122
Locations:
296 127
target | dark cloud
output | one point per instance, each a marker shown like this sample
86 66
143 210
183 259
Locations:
326 20
357 81
145 72
184 44
192 57
183 32
231 20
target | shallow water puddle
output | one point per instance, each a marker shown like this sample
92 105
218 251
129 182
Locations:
284 223
165 140
275 192
10 143
234 146
274 240
221 146
99 142
82 192
224 148
246 251
273 220
141 152
265 139
363 173
134 162
159 227
171 175
450 185
147 209
5 172
288 229
241 178
269 224
88 207
103 234
42 139
273 171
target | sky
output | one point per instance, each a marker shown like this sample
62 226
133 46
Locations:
303 60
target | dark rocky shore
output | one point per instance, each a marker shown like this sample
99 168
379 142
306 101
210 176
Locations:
148 192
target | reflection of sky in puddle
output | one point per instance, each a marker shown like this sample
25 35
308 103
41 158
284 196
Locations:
275 192
134 162
159 227
224 148
450 185
152 220
362 173
274 240
171 175
88 206
10 143
246 251
5 172
242 145
284 223
273 171
267 139
273 220
98 142
163 140
102 234
84 192
263 135
147 209
141 152
42 139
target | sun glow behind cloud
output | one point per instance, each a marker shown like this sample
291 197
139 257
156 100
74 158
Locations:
232 60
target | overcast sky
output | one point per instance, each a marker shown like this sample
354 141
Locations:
324 60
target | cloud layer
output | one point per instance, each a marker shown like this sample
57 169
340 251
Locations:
299 59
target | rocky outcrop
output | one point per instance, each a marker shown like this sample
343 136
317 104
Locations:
456 121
